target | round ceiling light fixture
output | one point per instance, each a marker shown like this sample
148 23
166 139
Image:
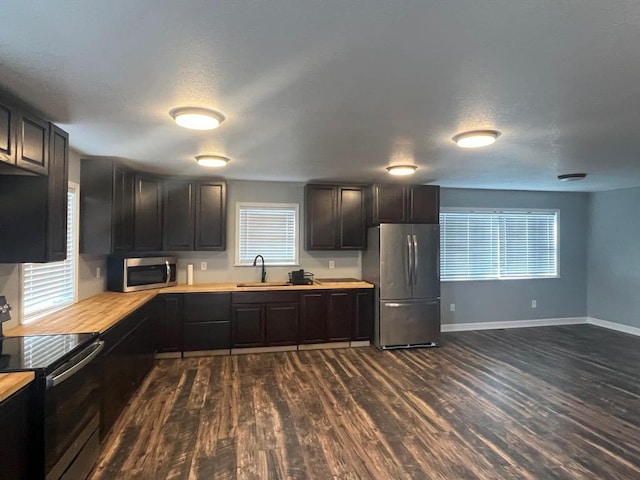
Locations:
402 170
197 118
215 161
572 177
476 138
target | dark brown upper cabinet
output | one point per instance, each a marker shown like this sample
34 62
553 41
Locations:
194 215
32 143
106 207
394 203
7 133
334 217
147 213
33 218
58 186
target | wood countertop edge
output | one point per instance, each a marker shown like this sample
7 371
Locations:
12 382
104 310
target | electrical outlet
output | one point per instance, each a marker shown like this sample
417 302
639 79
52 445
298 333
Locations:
452 307
203 265
332 264
98 272
534 304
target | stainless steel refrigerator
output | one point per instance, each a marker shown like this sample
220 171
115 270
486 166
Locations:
403 262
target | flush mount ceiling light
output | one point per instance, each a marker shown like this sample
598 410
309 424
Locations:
402 169
571 177
212 160
197 118
476 138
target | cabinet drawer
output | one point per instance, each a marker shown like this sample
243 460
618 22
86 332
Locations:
206 336
288 296
206 307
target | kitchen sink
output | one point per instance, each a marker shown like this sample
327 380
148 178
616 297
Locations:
263 284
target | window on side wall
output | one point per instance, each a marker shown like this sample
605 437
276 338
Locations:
267 229
498 244
47 287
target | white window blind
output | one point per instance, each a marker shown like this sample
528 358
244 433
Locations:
479 245
47 287
270 230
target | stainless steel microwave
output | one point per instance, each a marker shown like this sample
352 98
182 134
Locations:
130 274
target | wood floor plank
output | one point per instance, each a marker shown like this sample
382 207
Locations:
533 403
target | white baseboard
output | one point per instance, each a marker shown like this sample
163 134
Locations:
620 327
542 322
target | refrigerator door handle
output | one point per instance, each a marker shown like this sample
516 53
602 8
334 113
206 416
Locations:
409 261
415 259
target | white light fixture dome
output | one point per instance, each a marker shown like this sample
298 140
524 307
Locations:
402 169
214 161
476 138
197 118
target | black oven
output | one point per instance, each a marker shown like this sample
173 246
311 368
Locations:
66 408
130 274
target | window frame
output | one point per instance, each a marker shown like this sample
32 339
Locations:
485 210
257 205
75 188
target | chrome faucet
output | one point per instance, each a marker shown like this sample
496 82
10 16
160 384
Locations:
263 277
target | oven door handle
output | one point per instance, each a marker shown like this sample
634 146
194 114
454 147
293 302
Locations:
53 380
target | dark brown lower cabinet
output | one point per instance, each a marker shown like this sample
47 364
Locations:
262 319
169 333
326 316
128 357
281 324
248 325
362 329
206 321
15 428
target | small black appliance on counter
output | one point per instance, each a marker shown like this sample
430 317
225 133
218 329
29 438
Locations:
300 277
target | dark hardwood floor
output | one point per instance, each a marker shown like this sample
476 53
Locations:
530 403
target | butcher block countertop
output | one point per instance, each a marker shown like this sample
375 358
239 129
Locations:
95 314
10 383
256 287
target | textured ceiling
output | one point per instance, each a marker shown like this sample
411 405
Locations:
335 90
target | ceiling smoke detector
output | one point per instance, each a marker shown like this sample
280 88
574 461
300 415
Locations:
476 138
572 177
197 118
402 169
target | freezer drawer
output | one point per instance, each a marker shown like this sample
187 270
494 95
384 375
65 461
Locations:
408 323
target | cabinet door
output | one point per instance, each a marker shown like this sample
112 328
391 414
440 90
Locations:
147 217
33 143
210 215
57 192
363 317
7 134
281 324
351 219
169 333
178 215
313 317
122 210
389 204
339 315
14 425
320 217
424 204
247 326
